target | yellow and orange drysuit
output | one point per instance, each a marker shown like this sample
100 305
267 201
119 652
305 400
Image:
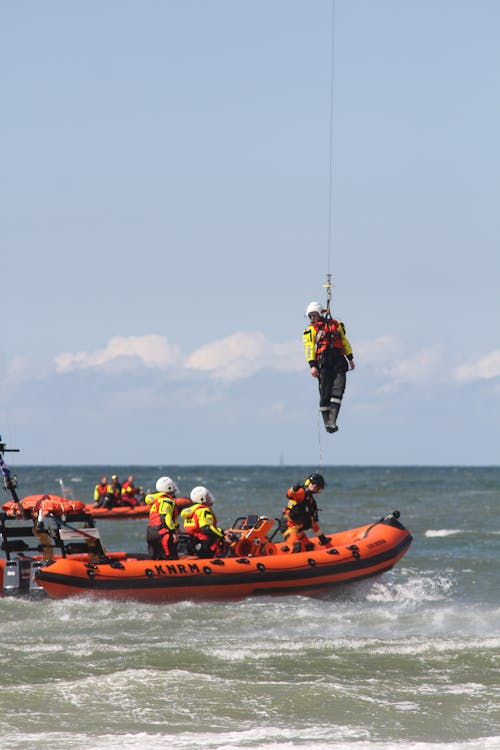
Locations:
201 525
160 535
327 349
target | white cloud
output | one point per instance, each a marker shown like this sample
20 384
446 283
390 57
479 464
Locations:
243 354
18 368
391 361
236 357
21 370
152 350
482 369
424 366
400 363
378 351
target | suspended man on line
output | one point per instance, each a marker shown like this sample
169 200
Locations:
329 354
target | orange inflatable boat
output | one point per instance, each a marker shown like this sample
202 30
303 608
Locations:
118 512
259 566
124 511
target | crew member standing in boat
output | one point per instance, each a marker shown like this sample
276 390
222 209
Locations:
163 523
200 523
329 354
301 513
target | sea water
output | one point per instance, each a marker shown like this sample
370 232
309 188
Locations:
406 661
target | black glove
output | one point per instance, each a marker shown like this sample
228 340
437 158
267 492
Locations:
322 539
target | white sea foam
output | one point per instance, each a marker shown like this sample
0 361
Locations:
421 588
415 645
270 738
442 532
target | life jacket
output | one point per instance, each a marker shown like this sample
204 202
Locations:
163 511
34 504
198 520
59 507
301 510
115 490
128 489
100 491
330 334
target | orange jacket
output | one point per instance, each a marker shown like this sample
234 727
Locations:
163 511
200 521
301 511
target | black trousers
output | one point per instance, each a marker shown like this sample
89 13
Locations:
332 378
161 543
203 548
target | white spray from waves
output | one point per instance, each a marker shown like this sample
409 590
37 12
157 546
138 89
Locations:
254 739
412 590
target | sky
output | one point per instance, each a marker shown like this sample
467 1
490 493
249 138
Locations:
177 179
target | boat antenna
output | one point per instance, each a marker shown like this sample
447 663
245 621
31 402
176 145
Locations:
328 285
9 481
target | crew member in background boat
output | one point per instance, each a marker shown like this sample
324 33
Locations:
329 354
100 492
163 524
205 537
130 493
301 513
114 493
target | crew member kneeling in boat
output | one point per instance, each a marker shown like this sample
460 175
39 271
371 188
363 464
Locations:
301 513
160 536
100 492
129 492
114 493
200 523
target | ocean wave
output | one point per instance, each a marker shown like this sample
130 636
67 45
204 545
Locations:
426 587
270 738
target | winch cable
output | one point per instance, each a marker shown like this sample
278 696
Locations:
319 425
331 192
328 285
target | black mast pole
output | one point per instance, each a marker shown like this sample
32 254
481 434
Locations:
9 481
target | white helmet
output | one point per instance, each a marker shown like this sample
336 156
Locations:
165 484
201 495
315 307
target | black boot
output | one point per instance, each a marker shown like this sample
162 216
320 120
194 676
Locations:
325 413
331 420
